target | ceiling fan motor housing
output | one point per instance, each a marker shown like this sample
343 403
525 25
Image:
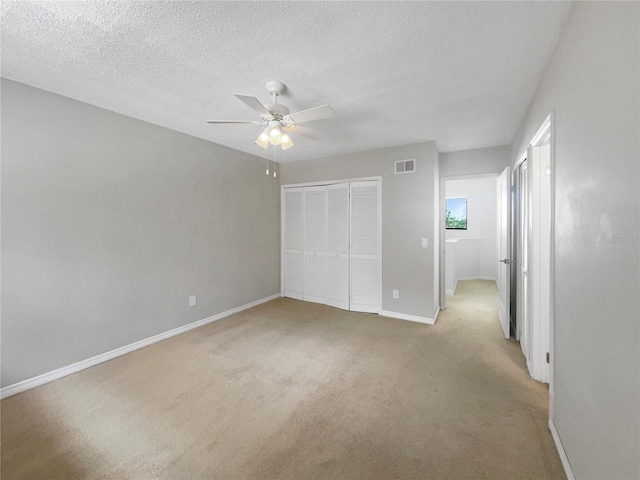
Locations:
274 86
277 109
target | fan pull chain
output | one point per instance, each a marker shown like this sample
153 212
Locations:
274 161
284 159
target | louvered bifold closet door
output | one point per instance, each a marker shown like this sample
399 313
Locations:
366 248
293 244
525 216
338 245
315 244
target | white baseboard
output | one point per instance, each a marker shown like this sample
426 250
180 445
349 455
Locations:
411 318
476 278
563 455
453 292
103 357
435 315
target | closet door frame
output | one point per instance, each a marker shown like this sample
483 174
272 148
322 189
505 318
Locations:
331 182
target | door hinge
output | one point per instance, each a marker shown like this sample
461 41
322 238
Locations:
547 357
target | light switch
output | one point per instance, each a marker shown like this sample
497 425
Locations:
396 294
192 301
425 242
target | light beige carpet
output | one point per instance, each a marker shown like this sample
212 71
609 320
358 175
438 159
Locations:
298 391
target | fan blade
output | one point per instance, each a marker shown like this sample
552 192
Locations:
304 131
254 104
311 114
235 121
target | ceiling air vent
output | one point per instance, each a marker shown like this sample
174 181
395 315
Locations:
405 166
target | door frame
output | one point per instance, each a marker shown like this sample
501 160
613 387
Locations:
443 230
546 132
443 244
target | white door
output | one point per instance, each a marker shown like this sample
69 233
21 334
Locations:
293 259
538 262
504 280
545 261
338 245
366 246
315 244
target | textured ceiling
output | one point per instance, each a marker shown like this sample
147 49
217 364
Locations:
459 73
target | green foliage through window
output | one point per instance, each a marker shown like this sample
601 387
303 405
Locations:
456 213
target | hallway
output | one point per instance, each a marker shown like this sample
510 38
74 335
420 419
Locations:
513 406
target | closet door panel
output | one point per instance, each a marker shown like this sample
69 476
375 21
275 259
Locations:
315 279
293 244
366 248
365 287
293 275
315 241
338 245
338 282
364 218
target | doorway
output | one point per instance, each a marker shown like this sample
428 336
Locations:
469 230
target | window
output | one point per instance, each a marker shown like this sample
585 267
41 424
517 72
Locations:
456 213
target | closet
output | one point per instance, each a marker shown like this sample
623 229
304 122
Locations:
332 245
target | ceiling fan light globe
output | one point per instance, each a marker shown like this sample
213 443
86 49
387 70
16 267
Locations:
286 141
275 136
275 132
262 140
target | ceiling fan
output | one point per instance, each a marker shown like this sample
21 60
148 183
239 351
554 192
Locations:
277 118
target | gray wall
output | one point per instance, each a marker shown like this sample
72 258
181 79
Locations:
475 162
408 206
110 223
592 86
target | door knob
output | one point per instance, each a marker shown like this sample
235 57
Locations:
506 261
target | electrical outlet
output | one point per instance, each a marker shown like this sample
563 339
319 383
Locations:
424 243
192 301
396 294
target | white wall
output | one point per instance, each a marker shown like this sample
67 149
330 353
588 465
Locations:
591 85
476 252
109 224
475 162
409 206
